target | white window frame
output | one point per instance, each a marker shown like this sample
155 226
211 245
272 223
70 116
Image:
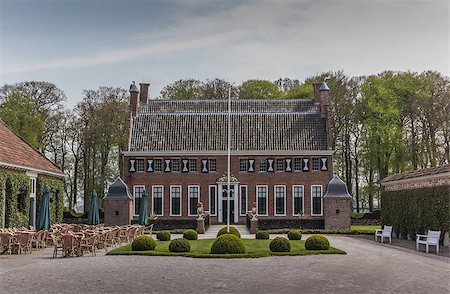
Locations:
267 201
240 199
189 198
181 200
275 200
162 202
293 198
321 201
134 198
215 199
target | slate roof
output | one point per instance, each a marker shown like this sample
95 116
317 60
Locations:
14 150
118 190
337 188
418 173
194 125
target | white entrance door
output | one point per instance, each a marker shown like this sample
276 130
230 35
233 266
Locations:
223 205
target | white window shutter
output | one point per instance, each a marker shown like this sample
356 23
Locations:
270 163
204 165
132 165
167 168
288 164
251 165
150 165
185 165
305 164
324 163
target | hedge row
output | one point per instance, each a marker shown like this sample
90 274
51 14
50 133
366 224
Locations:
415 211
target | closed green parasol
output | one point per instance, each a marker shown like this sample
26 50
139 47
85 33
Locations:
43 222
93 217
143 210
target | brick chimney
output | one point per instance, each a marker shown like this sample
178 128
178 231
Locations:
143 93
134 102
322 96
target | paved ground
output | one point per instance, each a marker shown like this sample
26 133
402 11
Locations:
368 267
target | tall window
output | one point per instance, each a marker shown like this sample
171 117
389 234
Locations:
137 195
192 165
212 165
316 199
175 200
280 200
157 163
280 165
194 198
242 165
262 165
175 165
297 194
158 195
261 192
140 165
244 200
212 200
297 164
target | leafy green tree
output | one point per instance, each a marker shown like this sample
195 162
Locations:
259 89
300 91
188 89
21 114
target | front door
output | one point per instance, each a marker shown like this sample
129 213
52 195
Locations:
223 210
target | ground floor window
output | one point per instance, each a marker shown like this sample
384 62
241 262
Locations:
175 200
158 196
297 193
244 200
316 199
137 195
212 200
261 192
194 198
280 200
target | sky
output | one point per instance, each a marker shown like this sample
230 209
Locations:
87 44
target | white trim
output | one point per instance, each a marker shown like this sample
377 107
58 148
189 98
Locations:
162 202
235 198
321 200
215 199
240 200
181 200
293 198
267 201
275 200
31 169
134 192
189 199
233 152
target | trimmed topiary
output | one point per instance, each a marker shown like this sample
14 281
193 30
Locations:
280 244
163 236
233 231
228 244
190 234
317 242
262 235
294 235
143 243
180 245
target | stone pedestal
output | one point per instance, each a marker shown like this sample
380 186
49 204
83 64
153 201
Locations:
253 225
200 225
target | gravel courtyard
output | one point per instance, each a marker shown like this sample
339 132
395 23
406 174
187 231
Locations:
368 267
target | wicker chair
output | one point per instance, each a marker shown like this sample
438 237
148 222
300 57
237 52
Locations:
69 244
24 242
90 244
6 241
57 245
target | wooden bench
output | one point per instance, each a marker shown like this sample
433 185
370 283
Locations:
430 239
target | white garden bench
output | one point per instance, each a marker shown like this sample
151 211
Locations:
386 232
431 239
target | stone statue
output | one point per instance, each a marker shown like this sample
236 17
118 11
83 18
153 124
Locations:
200 209
253 211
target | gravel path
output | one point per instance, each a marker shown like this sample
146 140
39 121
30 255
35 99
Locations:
368 267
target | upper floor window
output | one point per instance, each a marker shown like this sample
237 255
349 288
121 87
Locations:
157 163
140 165
262 165
175 165
297 164
243 165
280 165
212 165
193 165
316 164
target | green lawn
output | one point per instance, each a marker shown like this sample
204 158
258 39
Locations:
365 228
201 248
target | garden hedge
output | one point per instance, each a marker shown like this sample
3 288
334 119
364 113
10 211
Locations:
280 244
228 244
415 211
163 236
317 242
294 235
179 245
233 231
143 243
190 234
262 235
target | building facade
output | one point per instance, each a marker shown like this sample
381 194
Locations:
281 157
24 172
